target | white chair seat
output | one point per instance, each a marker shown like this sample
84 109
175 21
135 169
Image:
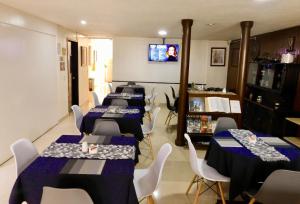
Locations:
146 129
210 173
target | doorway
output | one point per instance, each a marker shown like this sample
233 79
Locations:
73 73
101 70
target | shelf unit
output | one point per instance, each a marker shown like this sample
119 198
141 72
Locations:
199 97
270 96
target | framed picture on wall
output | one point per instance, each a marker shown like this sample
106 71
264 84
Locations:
218 56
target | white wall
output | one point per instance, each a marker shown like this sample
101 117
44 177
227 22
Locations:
217 76
130 63
33 90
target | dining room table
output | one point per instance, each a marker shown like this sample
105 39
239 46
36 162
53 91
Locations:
107 175
137 89
128 118
248 158
132 99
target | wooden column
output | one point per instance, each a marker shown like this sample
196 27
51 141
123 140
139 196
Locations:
243 61
184 77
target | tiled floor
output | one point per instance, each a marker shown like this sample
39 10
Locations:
176 175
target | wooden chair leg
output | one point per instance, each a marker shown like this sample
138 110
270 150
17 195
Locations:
170 118
191 184
196 201
252 201
167 117
149 115
221 192
150 200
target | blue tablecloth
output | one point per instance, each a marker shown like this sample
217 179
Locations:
136 88
113 185
243 167
129 123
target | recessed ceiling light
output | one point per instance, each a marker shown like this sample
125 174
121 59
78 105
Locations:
83 22
162 32
210 24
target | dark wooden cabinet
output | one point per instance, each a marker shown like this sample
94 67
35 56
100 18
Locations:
271 95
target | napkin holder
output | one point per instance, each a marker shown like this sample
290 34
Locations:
252 139
93 149
84 147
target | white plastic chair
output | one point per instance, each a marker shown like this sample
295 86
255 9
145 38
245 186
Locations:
149 96
225 123
149 107
281 186
24 152
96 99
119 102
148 129
128 90
65 196
204 173
146 181
78 116
106 127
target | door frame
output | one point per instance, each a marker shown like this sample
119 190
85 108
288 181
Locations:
69 50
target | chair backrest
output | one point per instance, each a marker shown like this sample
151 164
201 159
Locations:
131 83
153 118
152 90
225 123
152 101
168 102
173 92
110 87
65 196
128 90
119 102
24 152
193 155
152 178
281 186
78 116
96 99
106 127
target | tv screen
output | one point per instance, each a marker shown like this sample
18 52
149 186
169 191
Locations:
163 52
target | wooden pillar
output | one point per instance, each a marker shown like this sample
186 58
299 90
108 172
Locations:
184 77
243 61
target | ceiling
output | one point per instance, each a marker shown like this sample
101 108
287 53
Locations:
143 18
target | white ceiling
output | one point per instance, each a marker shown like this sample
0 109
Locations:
143 18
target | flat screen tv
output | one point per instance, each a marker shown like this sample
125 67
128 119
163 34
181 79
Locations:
163 52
